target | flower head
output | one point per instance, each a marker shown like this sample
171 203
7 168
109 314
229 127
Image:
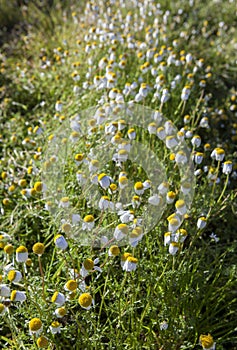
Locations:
55 327
114 250
130 264
35 326
3 309
71 285
42 342
21 254
58 298
85 300
60 242
207 342
38 248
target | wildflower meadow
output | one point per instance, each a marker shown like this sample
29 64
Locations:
118 174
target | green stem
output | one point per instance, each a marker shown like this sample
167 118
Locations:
224 188
42 276
103 295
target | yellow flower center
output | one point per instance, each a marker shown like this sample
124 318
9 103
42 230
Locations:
2 307
132 259
42 342
123 180
79 157
62 311
22 182
11 275
180 203
206 341
101 176
89 218
35 324
38 186
114 249
88 264
21 249
13 295
55 324
85 300
71 285
28 262
54 297
171 194
38 248
125 256
8 249
123 228
138 186
174 222
66 227
113 187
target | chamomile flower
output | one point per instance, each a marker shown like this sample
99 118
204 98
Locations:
60 242
181 207
155 200
180 235
3 309
42 342
170 197
135 236
126 216
38 248
174 222
86 301
105 203
60 312
218 154
130 264
58 298
14 276
171 141
167 238
207 342
163 188
59 106
173 248
121 231
70 286
114 250
88 266
139 188
8 249
40 187
55 327
136 202
88 222
79 157
35 326
123 182
227 167
198 157
4 291
104 180
21 254
18 296
131 134
201 223
64 202
196 140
